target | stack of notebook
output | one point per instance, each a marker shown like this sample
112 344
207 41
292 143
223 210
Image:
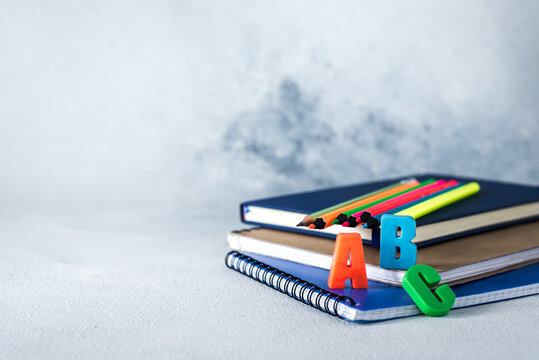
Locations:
485 246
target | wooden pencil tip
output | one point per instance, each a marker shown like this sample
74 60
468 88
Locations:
300 224
307 220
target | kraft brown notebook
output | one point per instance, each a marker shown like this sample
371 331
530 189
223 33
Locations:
460 260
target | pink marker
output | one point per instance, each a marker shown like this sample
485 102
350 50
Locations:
404 199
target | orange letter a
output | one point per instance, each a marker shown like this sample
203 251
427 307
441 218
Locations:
348 247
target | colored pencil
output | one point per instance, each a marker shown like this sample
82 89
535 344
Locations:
441 201
342 217
325 220
354 219
364 215
309 219
374 221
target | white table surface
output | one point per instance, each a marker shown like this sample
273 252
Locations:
117 118
71 291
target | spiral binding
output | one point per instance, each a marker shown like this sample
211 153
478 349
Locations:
295 287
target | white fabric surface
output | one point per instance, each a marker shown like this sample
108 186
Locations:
163 291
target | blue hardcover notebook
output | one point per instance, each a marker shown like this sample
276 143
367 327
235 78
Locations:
496 205
380 301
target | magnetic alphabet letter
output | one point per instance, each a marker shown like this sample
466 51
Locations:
348 263
417 282
389 242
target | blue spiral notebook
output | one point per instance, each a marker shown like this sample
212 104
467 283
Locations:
496 205
380 301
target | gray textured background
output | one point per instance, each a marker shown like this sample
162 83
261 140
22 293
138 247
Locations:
123 124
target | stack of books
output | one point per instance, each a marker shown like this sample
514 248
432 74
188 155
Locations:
484 244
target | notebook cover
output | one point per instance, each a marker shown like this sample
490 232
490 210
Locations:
492 196
443 256
383 302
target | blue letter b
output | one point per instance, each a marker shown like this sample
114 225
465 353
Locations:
390 241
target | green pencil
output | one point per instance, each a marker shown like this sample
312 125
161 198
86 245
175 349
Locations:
309 219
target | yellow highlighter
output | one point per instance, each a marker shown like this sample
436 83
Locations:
438 202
